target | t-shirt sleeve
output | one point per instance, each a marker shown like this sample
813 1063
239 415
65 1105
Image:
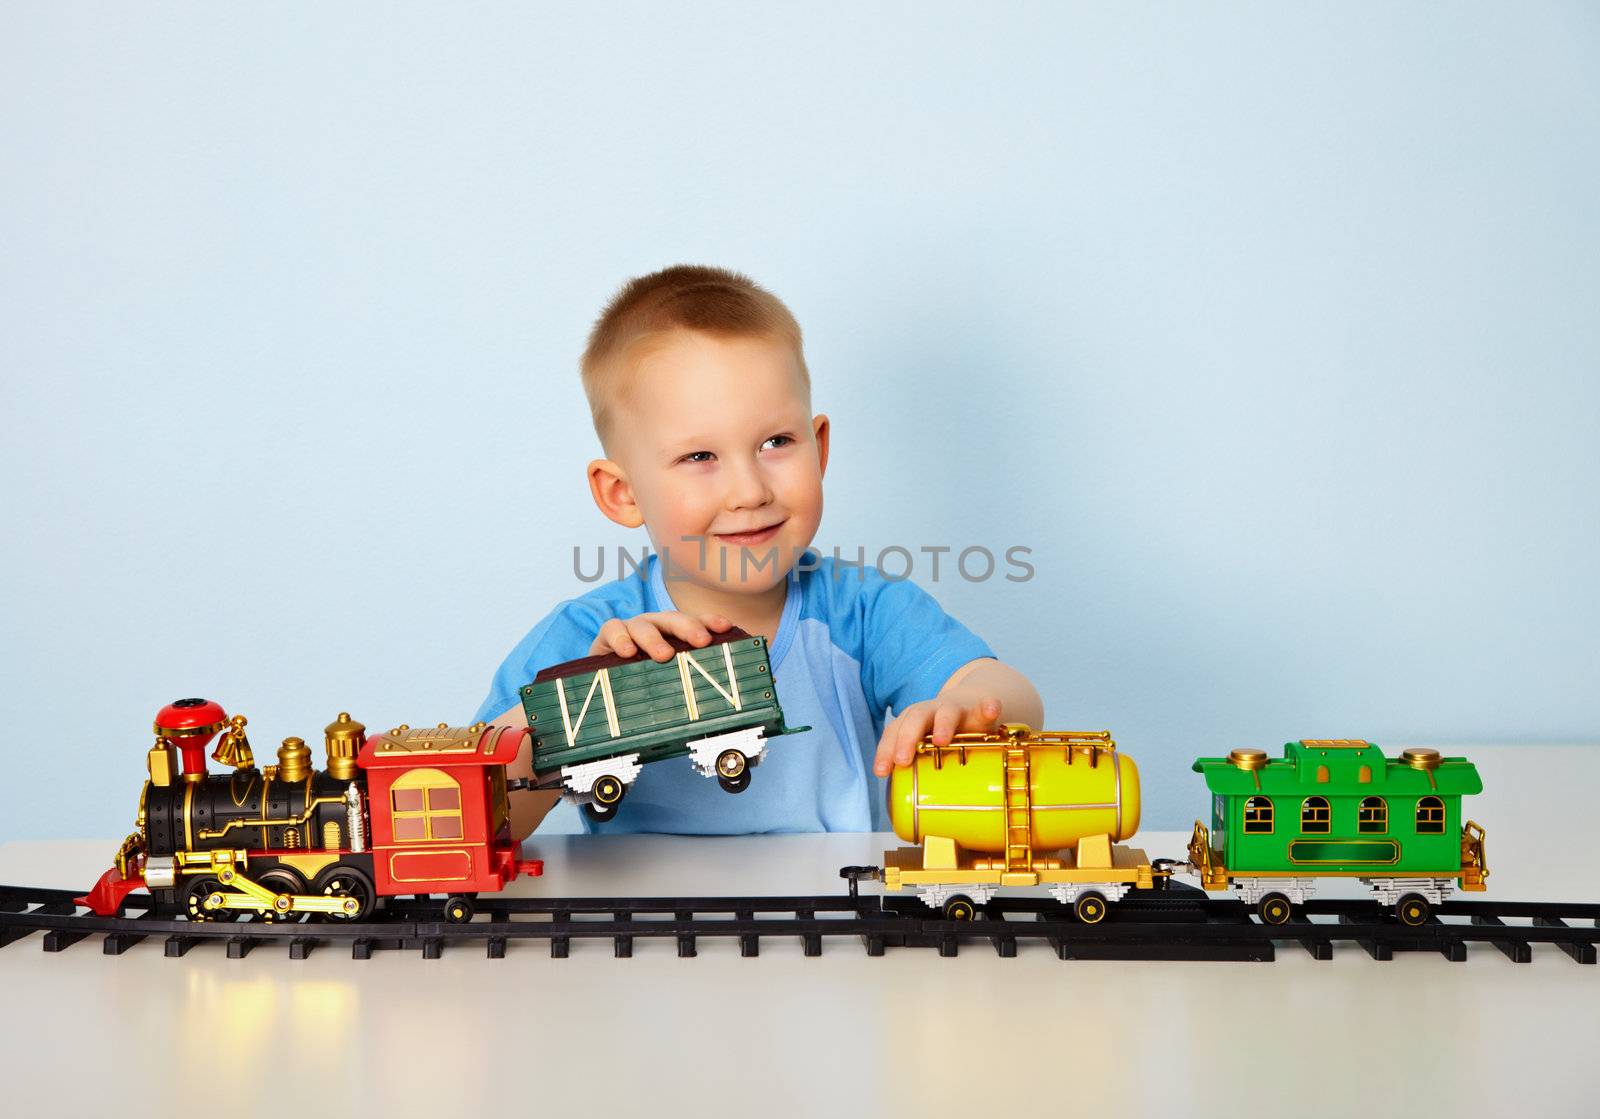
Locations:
910 645
565 634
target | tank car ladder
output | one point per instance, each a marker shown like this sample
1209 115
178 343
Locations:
1019 812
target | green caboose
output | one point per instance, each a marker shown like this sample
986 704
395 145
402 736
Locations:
1338 808
597 721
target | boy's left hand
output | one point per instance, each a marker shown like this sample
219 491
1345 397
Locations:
956 711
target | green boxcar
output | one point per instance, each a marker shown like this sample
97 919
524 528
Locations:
598 720
1339 808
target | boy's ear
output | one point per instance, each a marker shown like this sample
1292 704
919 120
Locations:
613 493
819 429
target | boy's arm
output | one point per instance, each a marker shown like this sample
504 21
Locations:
975 698
529 806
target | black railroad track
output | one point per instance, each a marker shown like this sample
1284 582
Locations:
1175 923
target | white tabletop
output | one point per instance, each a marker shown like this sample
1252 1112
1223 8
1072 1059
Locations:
783 1034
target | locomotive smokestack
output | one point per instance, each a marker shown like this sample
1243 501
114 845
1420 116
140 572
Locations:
190 725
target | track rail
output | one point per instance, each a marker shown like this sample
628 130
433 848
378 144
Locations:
1176 923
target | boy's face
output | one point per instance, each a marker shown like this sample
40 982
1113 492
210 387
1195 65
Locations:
719 457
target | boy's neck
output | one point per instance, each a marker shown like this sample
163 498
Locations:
754 613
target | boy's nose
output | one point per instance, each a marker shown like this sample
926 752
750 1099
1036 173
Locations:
747 488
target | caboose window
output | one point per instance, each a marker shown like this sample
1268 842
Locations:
1314 816
1258 816
1430 816
427 805
1373 815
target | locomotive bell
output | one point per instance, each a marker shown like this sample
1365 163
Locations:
189 724
233 748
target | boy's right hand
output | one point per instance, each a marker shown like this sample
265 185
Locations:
627 636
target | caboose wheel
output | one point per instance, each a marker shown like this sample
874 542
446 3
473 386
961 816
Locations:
458 909
194 900
960 908
349 883
1090 908
607 791
734 784
1413 910
1274 909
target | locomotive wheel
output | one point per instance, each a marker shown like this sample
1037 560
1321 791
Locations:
1413 910
458 909
734 784
607 791
1274 909
960 908
282 880
731 765
345 881
1090 908
194 900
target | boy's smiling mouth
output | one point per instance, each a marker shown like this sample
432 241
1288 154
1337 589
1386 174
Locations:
755 536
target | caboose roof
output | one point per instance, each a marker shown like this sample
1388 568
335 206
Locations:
441 746
1295 774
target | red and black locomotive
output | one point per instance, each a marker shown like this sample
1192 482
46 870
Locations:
409 811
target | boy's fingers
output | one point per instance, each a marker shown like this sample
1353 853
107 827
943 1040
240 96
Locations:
888 743
716 622
649 639
912 728
945 721
613 636
883 760
682 625
984 716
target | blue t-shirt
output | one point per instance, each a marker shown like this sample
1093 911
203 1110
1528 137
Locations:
850 644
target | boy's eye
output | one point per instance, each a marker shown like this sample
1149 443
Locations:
778 441
696 456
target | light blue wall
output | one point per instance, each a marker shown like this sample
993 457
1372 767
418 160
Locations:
1270 329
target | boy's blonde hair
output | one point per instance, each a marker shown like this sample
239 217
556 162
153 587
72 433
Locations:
685 296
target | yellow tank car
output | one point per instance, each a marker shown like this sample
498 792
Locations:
1017 808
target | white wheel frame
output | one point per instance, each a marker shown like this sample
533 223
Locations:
1067 893
751 742
1252 890
934 897
578 780
1389 891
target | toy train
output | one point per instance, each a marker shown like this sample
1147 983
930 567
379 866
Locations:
1047 810
597 721
425 811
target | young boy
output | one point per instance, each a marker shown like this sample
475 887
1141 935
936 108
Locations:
700 396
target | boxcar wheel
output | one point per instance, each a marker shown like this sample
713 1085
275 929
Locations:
960 908
1413 910
599 813
458 909
731 765
734 784
607 791
1090 908
1274 909
347 882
